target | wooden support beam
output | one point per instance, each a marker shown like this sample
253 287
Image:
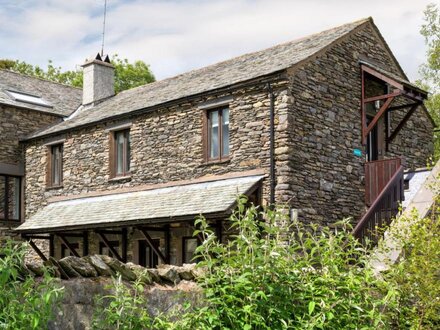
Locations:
219 230
167 242
379 114
382 97
161 229
67 243
37 236
152 246
124 244
111 232
403 106
403 122
85 243
37 250
51 246
363 114
109 246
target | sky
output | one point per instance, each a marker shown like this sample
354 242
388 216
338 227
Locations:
175 36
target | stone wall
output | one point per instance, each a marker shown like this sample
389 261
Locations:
86 280
16 123
327 180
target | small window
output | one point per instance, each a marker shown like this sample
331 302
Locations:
218 134
120 153
29 98
147 257
189 246
55 166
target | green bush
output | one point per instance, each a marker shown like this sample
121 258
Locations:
25 303
274 276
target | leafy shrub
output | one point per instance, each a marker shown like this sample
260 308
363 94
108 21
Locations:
286 277
25 303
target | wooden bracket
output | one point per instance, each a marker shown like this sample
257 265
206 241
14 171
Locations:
67 243
152 246
403 122
109 246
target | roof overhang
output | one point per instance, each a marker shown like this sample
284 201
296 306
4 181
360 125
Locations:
213 199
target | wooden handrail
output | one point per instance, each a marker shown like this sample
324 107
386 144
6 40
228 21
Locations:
396 181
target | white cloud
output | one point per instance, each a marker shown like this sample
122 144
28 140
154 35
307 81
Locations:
176 36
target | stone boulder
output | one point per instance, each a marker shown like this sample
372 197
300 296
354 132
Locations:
186 271
141 273
168 273
101 267
68 269
81 266
119 267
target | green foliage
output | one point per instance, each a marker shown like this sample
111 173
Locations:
273 276
430 71
25 303
127 75
125 309
417 275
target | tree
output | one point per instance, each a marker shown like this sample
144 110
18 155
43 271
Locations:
127 75
430 71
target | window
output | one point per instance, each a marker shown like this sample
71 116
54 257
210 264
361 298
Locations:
10 198
29 98
189 246
120 153
55 166
218 134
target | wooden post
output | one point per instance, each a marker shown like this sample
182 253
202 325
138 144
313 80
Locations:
85 243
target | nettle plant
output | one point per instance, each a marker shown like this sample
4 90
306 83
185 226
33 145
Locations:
25 302
288 276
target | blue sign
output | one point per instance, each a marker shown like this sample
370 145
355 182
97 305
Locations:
357 152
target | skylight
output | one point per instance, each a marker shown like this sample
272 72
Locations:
28 98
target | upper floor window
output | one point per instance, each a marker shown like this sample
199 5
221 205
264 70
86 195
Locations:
120 153
54 174
218 134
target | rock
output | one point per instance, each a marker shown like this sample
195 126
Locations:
168 273
100 266
186 272
36 268
54 268
141 273
81 266
68 269
118 267
154 274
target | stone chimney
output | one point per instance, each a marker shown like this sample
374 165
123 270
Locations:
98 79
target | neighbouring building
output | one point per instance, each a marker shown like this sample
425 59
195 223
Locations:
27 104
321 125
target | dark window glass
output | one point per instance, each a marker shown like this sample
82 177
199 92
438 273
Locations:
56 153
218 133
122 152
189 245
10 197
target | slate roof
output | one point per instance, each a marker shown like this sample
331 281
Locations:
223 74
62 98
141 207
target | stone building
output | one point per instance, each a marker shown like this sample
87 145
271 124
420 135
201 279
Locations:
321 125
27 104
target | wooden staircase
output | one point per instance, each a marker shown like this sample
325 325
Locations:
384 191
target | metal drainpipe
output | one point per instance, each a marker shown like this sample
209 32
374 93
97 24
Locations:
272 145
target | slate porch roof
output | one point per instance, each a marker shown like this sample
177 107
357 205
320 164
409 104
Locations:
63 99
239 69
160 205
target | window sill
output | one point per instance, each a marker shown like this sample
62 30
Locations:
120 178
54 187
216 162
